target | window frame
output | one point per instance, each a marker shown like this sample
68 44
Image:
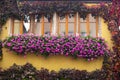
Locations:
76 26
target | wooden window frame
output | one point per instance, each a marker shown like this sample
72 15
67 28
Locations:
21 26
42 25
77 26
88 24
12 25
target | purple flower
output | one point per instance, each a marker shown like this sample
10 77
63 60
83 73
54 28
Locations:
9 44
88 47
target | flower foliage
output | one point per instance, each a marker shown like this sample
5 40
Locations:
8 8
22 9
62 8
87 47
28 72
113 25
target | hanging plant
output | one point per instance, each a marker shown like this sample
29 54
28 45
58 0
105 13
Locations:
60 7
88 47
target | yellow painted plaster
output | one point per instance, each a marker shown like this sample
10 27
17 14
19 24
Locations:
52 62
106 33
4 32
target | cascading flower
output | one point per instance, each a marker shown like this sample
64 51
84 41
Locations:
75 46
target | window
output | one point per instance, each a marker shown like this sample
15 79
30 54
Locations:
66 26
16 27
89 26
73 25
31 26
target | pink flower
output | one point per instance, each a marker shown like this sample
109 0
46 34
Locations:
9 44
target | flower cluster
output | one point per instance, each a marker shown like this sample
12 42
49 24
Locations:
75 46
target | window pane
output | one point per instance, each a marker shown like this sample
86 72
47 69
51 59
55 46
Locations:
45 19
47 28
71 19
82 20
26 27
16 27
16 21
37 28
93 29
62 28
62 20
92 19
83 29
70 28
26 24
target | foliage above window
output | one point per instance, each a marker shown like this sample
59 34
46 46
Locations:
8 8
87 47
48 8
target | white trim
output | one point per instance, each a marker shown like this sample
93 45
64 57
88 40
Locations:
54 27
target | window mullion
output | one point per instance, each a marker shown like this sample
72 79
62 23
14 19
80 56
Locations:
58 25
54 24
78 24
51 26
12 25
88 25
21 26
75 20
97 26
42 25
32 21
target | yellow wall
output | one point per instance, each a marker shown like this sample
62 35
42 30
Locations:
53 62
4 32
106 34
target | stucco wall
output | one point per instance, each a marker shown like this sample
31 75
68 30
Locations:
106 33
51 62
5 30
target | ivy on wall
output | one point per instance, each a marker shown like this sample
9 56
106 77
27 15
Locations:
113 25
39 8
60 7
8 8
28 72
